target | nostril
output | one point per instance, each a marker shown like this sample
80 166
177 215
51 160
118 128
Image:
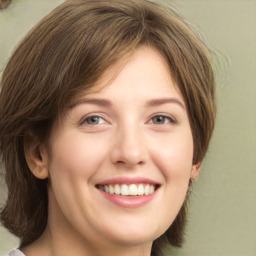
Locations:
120 162
129 163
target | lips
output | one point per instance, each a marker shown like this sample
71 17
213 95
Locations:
128 191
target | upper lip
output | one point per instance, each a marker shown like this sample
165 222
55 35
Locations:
128 180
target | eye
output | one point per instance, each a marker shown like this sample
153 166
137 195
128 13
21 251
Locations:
162 119
93 120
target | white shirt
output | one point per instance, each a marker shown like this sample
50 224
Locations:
15 252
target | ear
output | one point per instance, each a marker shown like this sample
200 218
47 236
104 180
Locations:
37 158
195 171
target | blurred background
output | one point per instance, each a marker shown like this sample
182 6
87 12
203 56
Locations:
222 208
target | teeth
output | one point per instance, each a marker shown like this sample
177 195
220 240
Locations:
151 189
111 189
133 191
106 189
129 190
146 191
117 190
124 190
140 190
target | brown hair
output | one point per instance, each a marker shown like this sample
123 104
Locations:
63 56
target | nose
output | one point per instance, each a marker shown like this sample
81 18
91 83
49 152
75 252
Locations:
129 148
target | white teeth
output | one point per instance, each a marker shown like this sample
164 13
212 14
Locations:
111 189
151 189
146 190
133 191
117 189
124 190
140 190
129 190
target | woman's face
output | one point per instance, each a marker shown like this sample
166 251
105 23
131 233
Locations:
121 157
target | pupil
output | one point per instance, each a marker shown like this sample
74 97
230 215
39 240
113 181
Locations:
159 119
93 120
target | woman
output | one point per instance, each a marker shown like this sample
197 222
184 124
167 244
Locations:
106 112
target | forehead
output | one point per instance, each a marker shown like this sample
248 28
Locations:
144 73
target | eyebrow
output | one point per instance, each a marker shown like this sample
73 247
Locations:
161 101
94 101
108 103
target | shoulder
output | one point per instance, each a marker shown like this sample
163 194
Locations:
15 252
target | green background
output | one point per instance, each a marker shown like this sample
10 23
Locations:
222 219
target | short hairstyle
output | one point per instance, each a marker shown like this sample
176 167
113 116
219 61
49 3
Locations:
62 57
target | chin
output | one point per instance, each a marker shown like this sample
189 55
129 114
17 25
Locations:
134 237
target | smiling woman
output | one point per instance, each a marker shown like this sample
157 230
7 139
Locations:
104 121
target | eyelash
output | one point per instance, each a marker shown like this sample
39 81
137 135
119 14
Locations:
85 120
167 119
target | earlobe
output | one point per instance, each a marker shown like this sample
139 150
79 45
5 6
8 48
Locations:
195 171
37 159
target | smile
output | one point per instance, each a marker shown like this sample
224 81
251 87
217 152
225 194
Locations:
129 190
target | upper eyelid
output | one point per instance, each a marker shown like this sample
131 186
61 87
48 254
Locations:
104 116
82 120
165 115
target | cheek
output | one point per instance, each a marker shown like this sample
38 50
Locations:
72 165
174 160
76 156
174 157
75 159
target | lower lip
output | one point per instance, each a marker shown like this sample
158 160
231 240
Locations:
128 201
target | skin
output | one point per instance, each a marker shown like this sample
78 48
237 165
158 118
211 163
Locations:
127 140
